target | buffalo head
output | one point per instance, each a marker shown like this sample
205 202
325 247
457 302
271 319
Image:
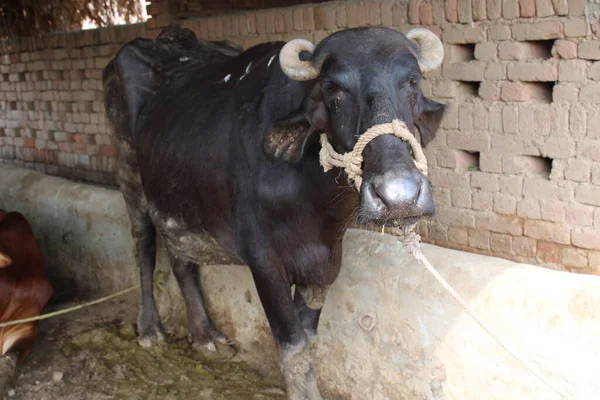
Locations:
356 79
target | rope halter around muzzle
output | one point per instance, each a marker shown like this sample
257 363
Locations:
352 161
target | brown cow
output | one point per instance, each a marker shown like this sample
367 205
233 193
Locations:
24 286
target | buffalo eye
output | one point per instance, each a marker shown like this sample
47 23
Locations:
413 81
329 86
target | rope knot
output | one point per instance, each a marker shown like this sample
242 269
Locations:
352 161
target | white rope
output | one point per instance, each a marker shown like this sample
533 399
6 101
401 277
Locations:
352 163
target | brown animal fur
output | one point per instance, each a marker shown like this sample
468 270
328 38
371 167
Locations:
24 286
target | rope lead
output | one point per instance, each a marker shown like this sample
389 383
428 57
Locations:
352 163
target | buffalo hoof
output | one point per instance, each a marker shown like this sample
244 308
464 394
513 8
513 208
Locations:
219 349
156 338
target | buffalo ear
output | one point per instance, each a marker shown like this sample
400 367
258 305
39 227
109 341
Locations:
428 119
286 139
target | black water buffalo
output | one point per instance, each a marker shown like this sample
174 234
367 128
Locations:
218 152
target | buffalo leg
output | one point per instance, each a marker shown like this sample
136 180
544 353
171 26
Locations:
144 236
292 341
309 301
201 328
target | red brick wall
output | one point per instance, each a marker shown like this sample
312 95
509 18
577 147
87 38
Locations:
515 167
51 107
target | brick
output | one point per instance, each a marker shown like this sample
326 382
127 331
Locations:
426 13
553 210
564 93
480 117
558 148
399 15
375 14
589 50
538 31
308 18
461 198
489 91
521 51
548 231
352 15
511 184
468 141
413 11
363 14
501 243
479 10
575 27
523 92
564 49
483 201
479 239
527 8
505 203
448 179
485 51
458 235
510 9
464 71
494 9
451 89
576 7
437 231
340 15
578 170
590 93
465 118
473 33
510 119
544 190
297 18
575 258
596 174
544 8
577 121
450 120
594 71
549 252
589 149
529 208
452 10
592 125
524 247
386 14
561 7
542 72
495 71
484 181
588 194
587 238
594 260
465 13
579 214
499 31
457 217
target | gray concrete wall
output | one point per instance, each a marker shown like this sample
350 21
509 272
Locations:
388 330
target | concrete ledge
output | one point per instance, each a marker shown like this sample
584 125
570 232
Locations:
388 330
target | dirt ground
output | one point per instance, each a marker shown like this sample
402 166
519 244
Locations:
92 354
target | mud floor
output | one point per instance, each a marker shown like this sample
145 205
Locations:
92 354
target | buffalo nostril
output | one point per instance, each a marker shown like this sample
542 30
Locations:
398 192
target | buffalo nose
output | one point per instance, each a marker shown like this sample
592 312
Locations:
399 195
